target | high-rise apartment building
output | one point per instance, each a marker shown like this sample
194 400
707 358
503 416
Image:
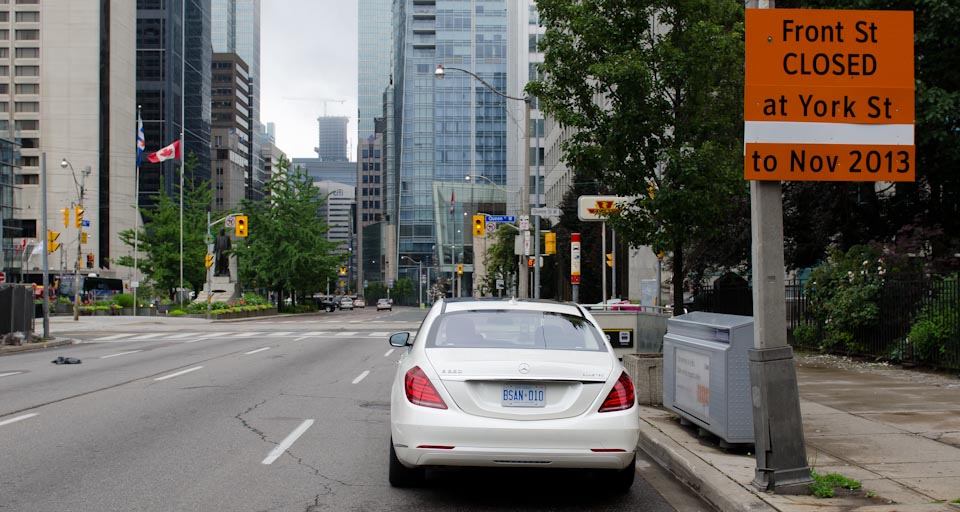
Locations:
235 28
67 89
448 129
232 140
525 34
160 58
332 143
375 30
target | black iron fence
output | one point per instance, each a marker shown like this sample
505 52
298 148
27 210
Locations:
929 306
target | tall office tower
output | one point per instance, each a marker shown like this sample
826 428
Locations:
230 151
523 56
235 28
332 146
67 89
375 33
448 129
159 51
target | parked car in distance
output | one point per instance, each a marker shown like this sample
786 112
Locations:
346 303
359 302
384 304
511 383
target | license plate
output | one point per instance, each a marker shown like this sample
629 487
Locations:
524 395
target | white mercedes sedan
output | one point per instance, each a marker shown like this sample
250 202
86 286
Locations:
511 383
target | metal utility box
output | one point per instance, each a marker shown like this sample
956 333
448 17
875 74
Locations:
706 373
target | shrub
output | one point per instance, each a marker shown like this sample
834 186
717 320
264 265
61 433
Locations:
935 334
177 312
124 300
843 296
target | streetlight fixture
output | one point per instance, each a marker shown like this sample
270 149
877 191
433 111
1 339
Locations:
419 278
64 163
440 73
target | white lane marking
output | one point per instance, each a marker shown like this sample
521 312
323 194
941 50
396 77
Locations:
213 334
255 351
10 374
245 334
147 336
378 333
346 334
287 442
181 372
316 333
389 352
114 337
301 338
120 354
278 334
183 335
361 376
355 321
18 418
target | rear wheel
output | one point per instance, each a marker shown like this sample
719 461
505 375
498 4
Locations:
621 480
402 476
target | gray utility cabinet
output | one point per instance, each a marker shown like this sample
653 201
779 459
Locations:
706 373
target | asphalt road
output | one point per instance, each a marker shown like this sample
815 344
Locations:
275 414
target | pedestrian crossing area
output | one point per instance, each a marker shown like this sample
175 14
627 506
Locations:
195 336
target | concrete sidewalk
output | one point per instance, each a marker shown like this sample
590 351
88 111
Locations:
896 431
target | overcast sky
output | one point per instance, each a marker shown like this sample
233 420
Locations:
308 53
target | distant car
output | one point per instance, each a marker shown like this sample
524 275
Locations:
359 302
346 303
384 304
511 383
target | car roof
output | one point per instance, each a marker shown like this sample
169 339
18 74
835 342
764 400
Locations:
471 304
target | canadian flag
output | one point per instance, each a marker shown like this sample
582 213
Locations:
171 151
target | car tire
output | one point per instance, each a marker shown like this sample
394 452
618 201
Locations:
402 476
621 480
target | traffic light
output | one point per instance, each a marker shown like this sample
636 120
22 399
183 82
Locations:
550 243
79 211
208 261
83 237
89 260
609 259
343 271
52 244
66 217
459 269
241 225
479 225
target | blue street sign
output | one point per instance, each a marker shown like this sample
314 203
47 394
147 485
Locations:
501 218
86 223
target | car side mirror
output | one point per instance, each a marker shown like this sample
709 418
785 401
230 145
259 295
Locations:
400 339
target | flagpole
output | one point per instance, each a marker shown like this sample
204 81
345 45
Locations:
136 213
183 98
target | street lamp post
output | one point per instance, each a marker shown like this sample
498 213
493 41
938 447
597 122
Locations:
64 163
524 195
419 278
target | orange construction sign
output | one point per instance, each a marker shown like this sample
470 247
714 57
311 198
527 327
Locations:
829 95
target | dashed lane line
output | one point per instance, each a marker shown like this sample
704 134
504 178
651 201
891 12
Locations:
118 354
388 353
10 374
18 418
346 334
114 337
147 336
255 351
287 442
361 376
177 374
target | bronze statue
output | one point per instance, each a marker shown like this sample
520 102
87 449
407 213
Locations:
221 259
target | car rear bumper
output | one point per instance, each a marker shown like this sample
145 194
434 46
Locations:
589 441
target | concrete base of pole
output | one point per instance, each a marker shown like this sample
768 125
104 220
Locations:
778 431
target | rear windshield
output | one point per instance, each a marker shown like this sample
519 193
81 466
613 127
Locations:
515 329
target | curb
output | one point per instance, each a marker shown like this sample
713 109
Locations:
30 347
707 481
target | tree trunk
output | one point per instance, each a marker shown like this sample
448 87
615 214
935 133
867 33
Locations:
678 276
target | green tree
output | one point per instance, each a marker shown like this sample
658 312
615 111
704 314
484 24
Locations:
287 250
499 260
160 235
670 114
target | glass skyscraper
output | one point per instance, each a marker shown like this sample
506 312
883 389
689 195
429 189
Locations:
448 129
375 31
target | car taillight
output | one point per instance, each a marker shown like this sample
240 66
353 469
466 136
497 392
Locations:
420 390
621 397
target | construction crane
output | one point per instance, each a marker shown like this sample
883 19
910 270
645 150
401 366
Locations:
325 101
